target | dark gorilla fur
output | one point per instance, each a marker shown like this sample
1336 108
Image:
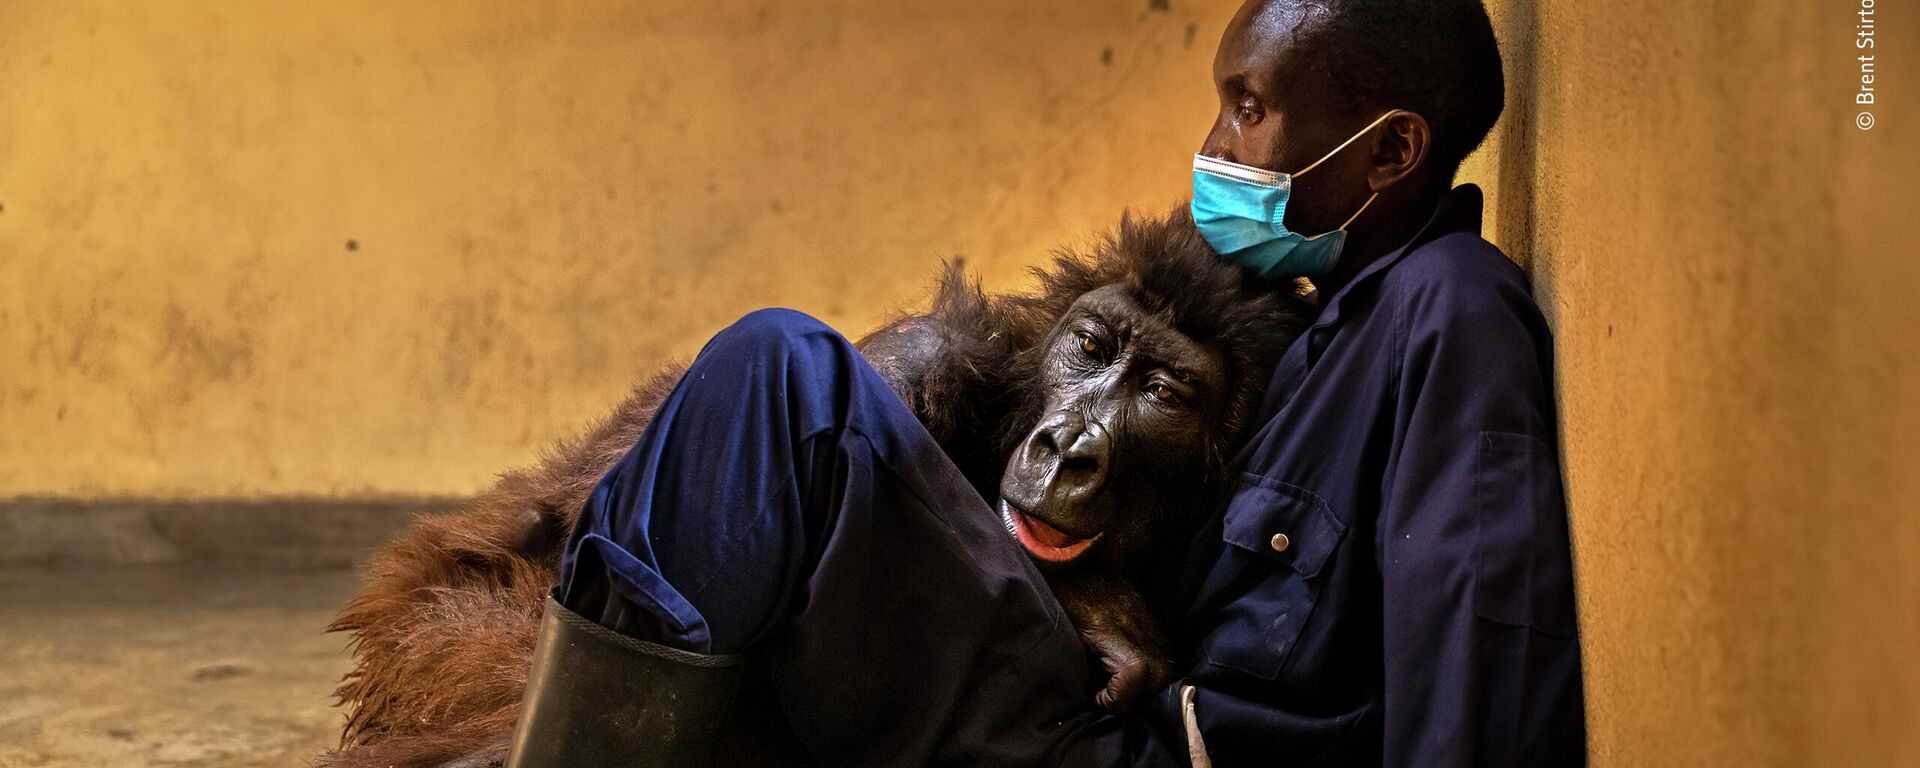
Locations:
442 630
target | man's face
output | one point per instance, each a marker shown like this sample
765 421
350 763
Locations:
1275 113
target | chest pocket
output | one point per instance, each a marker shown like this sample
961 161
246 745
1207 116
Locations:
1281 537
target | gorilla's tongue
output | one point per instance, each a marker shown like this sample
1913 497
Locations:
1044 541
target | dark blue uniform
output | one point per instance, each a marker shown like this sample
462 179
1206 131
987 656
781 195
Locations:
1391 584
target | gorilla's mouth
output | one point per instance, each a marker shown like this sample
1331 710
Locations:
1041 540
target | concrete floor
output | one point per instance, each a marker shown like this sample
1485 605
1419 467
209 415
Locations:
168 666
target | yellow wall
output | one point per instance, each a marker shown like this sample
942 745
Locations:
1731 271
549 198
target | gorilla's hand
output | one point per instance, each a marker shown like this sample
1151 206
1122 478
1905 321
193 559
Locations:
1118 628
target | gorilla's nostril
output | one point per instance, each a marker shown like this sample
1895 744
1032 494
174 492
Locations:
1083 450
1087 453
1078 467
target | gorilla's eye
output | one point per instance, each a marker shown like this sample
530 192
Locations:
1089 346
1163 393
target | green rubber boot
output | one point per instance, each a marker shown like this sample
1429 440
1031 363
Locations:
598 698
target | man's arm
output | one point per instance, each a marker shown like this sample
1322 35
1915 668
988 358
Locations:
1482 665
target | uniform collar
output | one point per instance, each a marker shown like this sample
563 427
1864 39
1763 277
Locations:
1458 211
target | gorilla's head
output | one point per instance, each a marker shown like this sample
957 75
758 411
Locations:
1135 369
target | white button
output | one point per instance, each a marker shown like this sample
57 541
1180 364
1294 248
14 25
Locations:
1281 542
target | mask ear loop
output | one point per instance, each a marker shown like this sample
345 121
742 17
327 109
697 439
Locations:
1356 214
1343 145
1336 150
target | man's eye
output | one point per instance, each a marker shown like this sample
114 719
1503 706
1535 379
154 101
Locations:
1163 393
1246 112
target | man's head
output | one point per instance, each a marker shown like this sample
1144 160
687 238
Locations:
1298 77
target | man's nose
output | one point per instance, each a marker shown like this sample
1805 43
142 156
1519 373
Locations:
1216 145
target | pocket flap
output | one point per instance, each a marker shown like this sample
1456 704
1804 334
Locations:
1264 510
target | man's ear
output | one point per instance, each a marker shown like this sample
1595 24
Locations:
1400 149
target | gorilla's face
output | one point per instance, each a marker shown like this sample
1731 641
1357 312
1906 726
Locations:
1127 408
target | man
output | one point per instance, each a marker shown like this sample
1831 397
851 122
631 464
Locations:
1391 584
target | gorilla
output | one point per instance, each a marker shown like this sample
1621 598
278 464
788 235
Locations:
1096 413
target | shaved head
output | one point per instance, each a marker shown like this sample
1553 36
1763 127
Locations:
1347 61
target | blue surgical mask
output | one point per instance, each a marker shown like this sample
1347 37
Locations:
1241 211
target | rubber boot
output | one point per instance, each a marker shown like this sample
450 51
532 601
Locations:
598 698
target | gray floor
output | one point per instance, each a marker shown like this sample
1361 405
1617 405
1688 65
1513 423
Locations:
167 666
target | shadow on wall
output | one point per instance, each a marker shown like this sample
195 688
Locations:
1517 22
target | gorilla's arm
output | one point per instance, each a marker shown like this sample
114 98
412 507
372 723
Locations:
1116 624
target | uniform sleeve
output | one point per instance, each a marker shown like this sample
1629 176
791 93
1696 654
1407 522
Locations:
1481 663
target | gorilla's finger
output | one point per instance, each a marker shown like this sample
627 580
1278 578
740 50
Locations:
1126 687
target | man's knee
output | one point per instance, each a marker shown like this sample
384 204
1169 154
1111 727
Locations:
775 323
783 338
